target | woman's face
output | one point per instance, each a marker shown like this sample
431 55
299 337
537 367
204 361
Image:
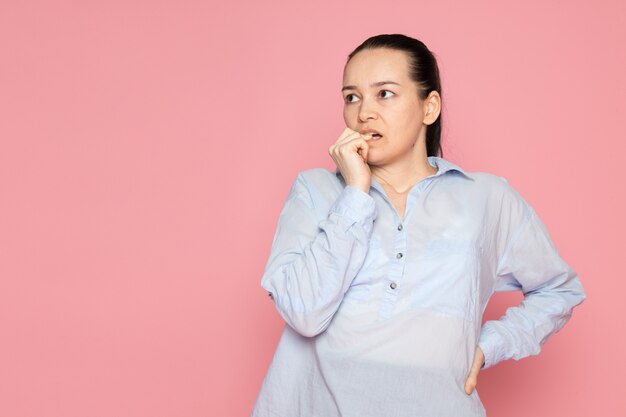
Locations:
379 94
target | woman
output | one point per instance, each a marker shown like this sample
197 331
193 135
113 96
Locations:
383 268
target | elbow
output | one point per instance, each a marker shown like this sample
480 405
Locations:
307 315
576 292
567 287
305 323
308 323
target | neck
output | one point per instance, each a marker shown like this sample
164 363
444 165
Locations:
404 173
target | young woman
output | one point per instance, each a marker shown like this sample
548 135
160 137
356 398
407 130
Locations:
383 268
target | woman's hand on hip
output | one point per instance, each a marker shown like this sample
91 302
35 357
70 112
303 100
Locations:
350 154
472 379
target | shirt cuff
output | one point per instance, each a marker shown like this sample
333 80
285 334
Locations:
489 343
356 205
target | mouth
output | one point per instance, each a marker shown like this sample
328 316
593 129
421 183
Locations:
374 135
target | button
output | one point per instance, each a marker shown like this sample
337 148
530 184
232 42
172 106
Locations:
393 285
399 255
400 227
269 294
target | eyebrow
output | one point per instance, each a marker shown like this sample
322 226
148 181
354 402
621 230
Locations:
378 84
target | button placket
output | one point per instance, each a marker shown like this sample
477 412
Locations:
396 272
393 285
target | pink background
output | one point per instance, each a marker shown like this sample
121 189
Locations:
148 146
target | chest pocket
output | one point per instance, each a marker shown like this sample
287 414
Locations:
447 278
361 287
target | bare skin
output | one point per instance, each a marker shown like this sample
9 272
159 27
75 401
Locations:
398 201
397 159
397 198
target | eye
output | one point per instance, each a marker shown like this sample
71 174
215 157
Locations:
382 91
348 98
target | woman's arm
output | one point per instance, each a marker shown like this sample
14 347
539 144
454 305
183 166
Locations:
530 262
312 263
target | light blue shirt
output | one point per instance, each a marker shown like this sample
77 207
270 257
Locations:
383 314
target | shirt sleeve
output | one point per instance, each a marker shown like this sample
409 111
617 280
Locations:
312 263
528 261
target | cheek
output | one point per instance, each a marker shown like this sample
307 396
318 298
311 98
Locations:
405 132
411 123
348 115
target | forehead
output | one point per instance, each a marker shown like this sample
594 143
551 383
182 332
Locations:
373 65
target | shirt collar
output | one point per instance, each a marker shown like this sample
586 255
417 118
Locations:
443 166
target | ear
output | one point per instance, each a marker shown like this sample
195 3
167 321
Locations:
432 108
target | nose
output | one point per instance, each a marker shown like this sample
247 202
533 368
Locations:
367 111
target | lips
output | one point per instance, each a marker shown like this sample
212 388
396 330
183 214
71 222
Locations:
374 133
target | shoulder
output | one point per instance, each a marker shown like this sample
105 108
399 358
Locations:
492 183
319 175
486 178
504 200
319 178
322 186
471 181
498 192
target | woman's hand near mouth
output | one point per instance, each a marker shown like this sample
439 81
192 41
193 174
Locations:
350 154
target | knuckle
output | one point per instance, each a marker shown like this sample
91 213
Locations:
343 150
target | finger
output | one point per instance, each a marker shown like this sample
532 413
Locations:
358 139
472 378
350 146
357 144
479 360
345 136
334 148
349 134
342 141
346 132
471 381
345 149
470 384
363 152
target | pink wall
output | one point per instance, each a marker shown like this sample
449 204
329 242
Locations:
148 146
